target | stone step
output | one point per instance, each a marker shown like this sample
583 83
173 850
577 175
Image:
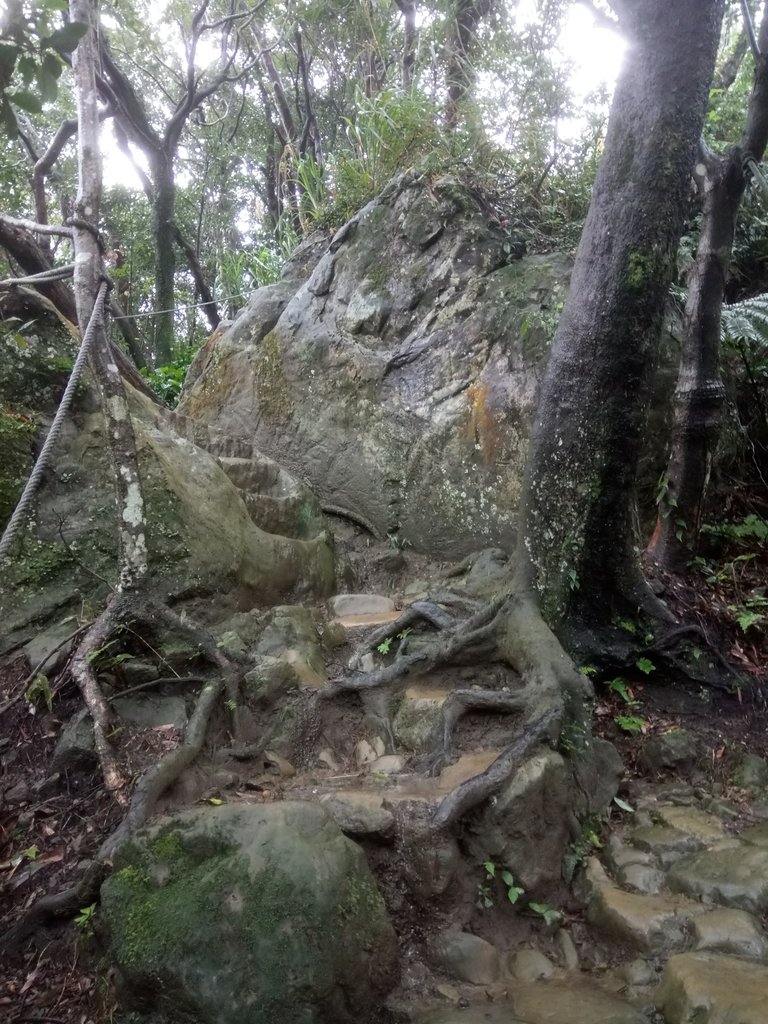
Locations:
735 876
709 988
649 924
551 1001
355 606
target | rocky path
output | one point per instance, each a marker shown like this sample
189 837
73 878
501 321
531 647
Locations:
667 922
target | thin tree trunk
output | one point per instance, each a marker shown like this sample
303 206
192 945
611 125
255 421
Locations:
459 73
88 277
700 395
408 10
165 258
209 308
577 537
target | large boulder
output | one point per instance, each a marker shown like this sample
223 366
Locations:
401 376
202 534
248 914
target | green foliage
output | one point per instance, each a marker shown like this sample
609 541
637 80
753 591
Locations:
34 41
645 665
167 381
485 898
84 918
31 853
751 527
630 723
619 686
747 615
38 689
550 916
746 321
386 644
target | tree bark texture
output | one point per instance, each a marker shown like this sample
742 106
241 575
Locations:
163 205
459 72
700 395
577 540
88 273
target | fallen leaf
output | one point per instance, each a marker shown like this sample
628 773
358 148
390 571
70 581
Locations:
28 983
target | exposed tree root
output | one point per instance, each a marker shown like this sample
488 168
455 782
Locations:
127 608
478 789
426 611
145 796
83 673
457 704
477 632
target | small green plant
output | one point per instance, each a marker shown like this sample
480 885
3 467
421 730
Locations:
84 919
619 686
230 704
588 670
167 381
645 665
514 892
746 614
386 643
31 853
631 724
549 915
40 689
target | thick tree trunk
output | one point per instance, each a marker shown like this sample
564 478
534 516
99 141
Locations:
577 541
700 395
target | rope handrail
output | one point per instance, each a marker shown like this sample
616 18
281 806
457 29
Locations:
32 486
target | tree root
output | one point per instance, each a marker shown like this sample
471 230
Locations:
478 789
145 796
426 610
457 704
81 669
124 608
479 631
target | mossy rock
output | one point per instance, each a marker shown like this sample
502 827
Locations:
248 915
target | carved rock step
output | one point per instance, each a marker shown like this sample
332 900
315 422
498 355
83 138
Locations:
543 1002
708 988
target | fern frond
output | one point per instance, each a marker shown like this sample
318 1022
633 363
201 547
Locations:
746 320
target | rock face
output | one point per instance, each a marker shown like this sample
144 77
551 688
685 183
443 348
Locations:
400 377
249 915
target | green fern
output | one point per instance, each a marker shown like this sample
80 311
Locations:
746 320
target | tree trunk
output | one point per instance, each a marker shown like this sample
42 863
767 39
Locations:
577 543
459 72
408 9
165 258
87 280
700 395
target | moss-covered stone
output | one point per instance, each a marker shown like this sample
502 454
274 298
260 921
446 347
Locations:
249 915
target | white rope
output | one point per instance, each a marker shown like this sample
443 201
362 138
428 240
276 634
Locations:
29 494
54 274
